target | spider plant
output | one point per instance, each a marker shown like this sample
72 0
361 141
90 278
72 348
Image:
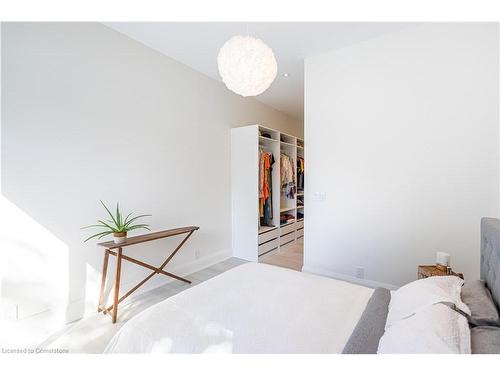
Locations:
118 226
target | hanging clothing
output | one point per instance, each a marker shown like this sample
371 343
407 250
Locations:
288 182
266 160
261 173
300 173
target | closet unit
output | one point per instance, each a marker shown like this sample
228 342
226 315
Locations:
267 188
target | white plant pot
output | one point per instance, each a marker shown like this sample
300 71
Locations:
120 239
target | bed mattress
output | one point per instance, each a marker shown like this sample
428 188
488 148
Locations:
253 308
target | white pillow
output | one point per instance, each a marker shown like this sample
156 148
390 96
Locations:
435 329
412 297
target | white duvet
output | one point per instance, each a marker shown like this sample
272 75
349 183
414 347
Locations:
253 308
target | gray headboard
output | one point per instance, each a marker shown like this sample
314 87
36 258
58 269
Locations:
490 256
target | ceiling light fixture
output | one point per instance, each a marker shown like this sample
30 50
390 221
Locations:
247 65
286 75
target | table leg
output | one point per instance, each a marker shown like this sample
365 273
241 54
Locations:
117 283
103 281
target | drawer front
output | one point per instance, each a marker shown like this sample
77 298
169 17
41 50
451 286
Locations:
300 224
287 238
268 246
287 229
300 233
264 237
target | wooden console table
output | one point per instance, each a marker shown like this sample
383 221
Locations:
112 248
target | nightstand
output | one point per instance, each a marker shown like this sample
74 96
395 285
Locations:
432 270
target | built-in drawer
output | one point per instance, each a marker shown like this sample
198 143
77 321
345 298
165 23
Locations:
269 235
300 224
287 229
300 233
268 246
287 238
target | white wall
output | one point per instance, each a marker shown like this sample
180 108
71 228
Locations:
403 137
90 114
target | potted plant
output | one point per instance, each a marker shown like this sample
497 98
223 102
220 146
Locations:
118 226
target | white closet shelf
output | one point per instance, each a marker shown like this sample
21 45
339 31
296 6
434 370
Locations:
249 243
266 139
300 206
300 219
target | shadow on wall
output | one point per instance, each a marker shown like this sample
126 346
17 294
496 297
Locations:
35 268
49 274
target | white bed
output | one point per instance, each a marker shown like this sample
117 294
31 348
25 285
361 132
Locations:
257 308
253 308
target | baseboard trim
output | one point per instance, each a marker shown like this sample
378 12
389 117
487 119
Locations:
340 276
199 264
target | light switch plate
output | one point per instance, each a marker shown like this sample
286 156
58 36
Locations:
319 196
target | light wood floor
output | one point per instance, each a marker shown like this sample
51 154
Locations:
292 256
92 333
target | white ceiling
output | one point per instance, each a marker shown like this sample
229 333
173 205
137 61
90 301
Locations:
197 44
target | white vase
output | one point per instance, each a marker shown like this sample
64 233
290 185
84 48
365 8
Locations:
120 237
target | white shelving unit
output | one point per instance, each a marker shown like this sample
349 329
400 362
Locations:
249 241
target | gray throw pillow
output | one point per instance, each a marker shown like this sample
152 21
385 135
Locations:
478 298
485 340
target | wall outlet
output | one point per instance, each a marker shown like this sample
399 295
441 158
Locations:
9 311
360 272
